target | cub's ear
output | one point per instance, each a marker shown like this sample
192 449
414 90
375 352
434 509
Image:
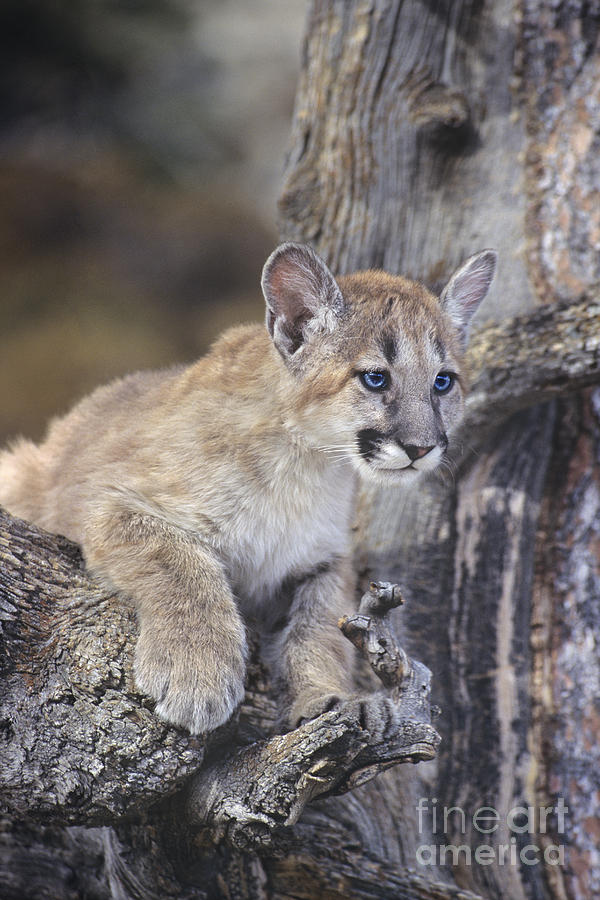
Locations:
467 288
302 297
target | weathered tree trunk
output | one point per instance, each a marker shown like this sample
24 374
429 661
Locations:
423 131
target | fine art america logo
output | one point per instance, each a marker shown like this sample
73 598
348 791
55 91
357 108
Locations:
514 833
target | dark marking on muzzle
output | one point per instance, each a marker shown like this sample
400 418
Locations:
369 442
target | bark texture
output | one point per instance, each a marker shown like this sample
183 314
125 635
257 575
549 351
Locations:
423 131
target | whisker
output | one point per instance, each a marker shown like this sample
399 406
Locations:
341 450
337 447
338 454
447 469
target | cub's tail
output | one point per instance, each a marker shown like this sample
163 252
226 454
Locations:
22 480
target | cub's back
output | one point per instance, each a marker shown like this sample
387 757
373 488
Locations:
140 433
45 483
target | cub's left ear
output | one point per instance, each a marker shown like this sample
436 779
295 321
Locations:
467 288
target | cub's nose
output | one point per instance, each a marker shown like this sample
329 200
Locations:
413 452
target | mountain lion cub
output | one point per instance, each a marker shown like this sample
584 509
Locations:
224 491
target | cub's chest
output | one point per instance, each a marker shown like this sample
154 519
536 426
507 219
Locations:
288 531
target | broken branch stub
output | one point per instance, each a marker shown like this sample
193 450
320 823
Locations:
371 633
402 731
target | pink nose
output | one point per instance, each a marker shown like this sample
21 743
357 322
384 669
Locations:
415 452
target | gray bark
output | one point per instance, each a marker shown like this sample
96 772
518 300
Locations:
422 132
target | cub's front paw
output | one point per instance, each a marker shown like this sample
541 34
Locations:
377 713
303 709
197 687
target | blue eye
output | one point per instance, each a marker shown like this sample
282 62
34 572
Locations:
375 381
443 382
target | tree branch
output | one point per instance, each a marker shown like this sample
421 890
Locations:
82 746
79 744
531 359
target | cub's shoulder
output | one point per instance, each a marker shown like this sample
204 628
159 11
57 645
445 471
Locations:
240 355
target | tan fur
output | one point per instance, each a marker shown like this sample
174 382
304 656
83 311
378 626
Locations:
225 490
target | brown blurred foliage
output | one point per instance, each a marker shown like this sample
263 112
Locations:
124 240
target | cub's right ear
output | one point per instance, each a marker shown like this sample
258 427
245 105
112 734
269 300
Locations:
467 288
302 296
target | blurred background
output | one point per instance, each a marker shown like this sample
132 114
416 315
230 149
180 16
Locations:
142 145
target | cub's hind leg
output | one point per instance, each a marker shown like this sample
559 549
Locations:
313 658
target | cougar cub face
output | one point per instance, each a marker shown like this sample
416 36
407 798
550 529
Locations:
399 366
377 359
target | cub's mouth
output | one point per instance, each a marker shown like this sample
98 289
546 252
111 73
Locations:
386 456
